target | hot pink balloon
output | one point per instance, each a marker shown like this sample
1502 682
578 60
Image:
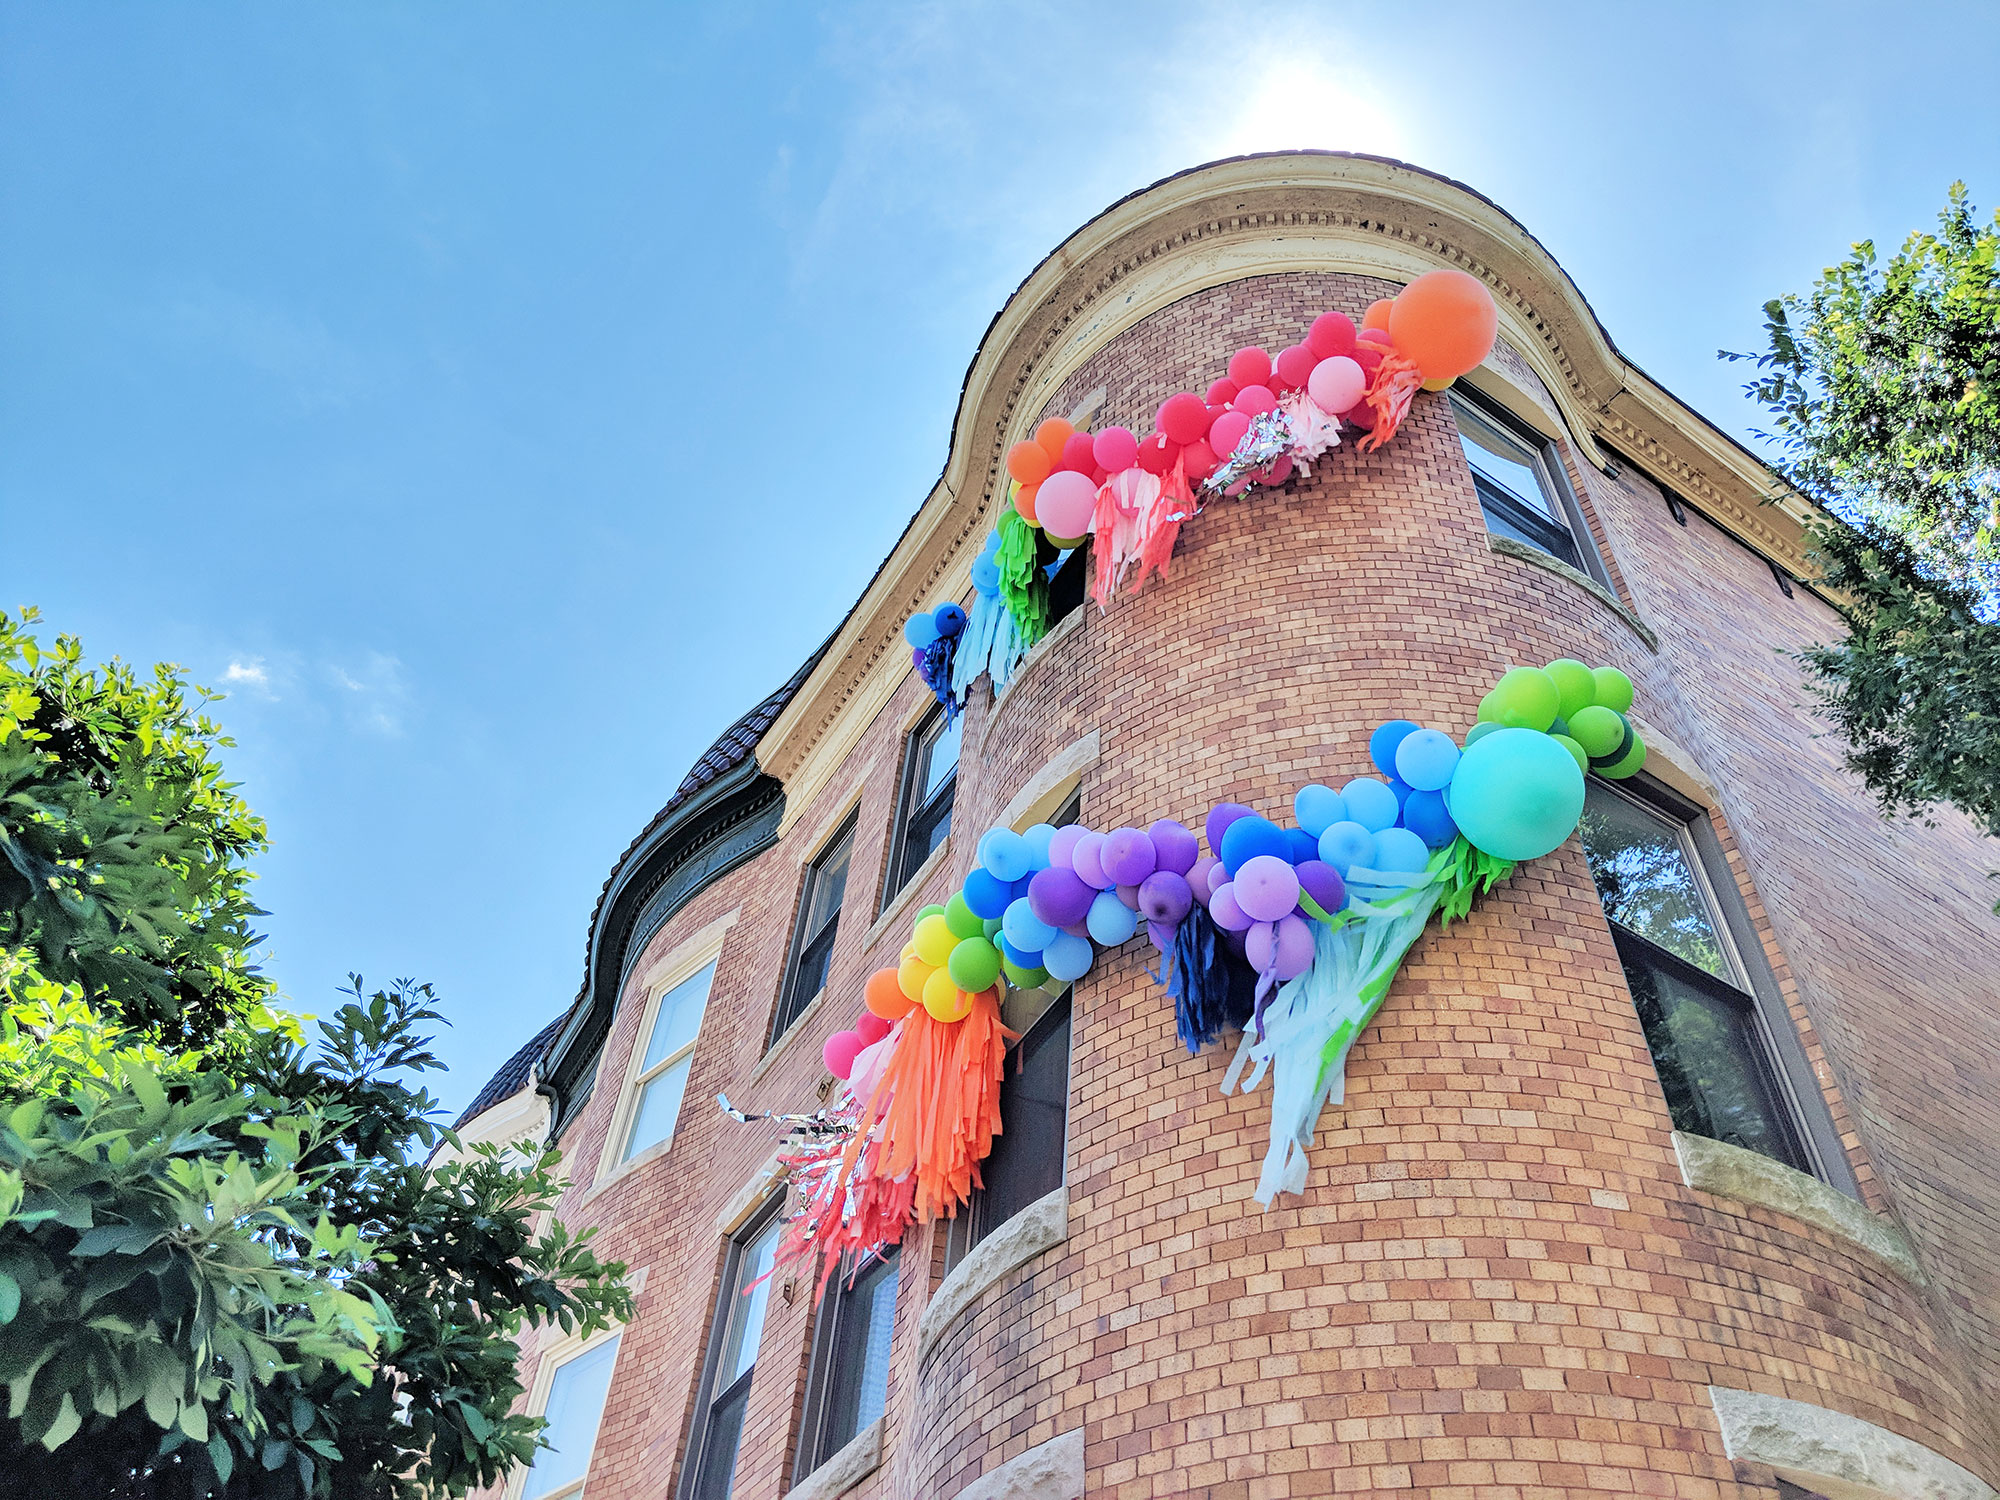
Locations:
1249 367
1266 887
1062 846
1277 471
1254 401
1336 384
1331 334
1079 454
1065 502
1087 860
1198 461
839 1053
1295 366
871 1028
1222 392
1182 417
1228 915
1116 449
1222 437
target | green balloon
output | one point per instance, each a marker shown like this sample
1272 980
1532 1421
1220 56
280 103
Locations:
1576 685
1517 794
1526 698
930 911
959 918
974 965
1630 764
1024 979
1489 709
1576 751
991 926
1598 729
1614 689
1480 730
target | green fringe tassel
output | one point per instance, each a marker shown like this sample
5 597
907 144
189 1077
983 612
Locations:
1023 584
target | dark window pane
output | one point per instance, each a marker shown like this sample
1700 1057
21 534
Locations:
829 886
853 1387
930 783
1647 881
722 1433
1712 1062
1068 584
1516 495
734 1333
819 925
1027 1158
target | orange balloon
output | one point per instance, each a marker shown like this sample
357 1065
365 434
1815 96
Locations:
1051 436
884 995
1028 463
1377 315
1444 322
1024 503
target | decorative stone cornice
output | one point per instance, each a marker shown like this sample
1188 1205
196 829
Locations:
1247 217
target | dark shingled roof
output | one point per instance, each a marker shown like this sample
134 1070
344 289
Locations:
514 1072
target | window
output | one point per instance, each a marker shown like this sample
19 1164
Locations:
850 1368
1521 489
1710 1040
574 1407
1027 1158
732 1357
923 816
819 920
663 1073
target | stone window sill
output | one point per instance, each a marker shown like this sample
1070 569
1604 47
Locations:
1506 546
1835 1454
1047 1471
847 1468
1040 1226
1728 1171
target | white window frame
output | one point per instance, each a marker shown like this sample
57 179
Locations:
553 1359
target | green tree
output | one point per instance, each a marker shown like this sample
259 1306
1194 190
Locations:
1883 384
225 1268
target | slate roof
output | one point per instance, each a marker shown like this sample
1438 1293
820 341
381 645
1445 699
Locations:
514 1073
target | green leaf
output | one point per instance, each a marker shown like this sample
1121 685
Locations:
194 1421
68 1420
220 1454
10 1297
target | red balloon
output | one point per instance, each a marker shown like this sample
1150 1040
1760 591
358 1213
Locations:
1198 461
1222 392
1157 454
1249 367
1099 474
1228 432
1116 449
1362 416
1183 418
1295 367
1369 357
1079 453
1254 401
1332 334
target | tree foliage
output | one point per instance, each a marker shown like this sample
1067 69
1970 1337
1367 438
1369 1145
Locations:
1883 383
225 1266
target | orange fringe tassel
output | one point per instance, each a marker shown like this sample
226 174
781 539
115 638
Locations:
1396 383
945 1110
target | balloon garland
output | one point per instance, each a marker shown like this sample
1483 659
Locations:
1291 936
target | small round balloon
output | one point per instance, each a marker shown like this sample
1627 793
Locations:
986 894
1426 815
1400 850
975 965
884 995
911 976
1024 929
870 1027
1426 760
1345 845
1005 853
1116 449
1630 764
839 1051
1065 503
1614 689
1251 836
1068 957
1266 887
1331 335
1028 463
1227 914
1370 803
1599 730
1249 367
963 921
1526 698
920 630
1164 897
1175 848
934 940
949 619
1087 859
1336 384
1575 686
1383 742
1320 883
944 1000
1317 808
1110 921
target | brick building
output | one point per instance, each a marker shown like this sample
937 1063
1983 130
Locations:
1684 1188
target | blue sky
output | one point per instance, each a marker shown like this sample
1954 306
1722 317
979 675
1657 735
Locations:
497 400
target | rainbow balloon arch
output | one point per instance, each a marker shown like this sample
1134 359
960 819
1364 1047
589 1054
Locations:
1285 938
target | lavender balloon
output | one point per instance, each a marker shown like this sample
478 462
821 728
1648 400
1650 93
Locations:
1322 882
1129 856
1165 896
1086 858
1176 846
1266 888
1286 945
1228 915
1162 934
1129 894
1201 879
1063 845
1059 897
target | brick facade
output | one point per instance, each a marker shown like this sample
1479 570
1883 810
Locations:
1496 1282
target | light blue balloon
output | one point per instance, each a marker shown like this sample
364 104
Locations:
1426 758
1370 803
1347 844
1517 794
1400 850
1111 921
1038 845
1318 808
1026 931
920 630
1068 956
986 576
1005 854
992 547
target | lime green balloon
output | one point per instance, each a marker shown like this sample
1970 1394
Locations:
1598 729
975 964
1489 709
1630 764
1023 979
1614 689
1576 750
1526 698
929 911
1480 730
959 918
935 940
1576 686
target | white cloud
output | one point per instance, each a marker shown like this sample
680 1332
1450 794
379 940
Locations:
249 673
373 693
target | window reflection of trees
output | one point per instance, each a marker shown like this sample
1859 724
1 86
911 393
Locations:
1646 882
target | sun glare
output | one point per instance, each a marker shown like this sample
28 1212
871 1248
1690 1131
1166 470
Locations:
1298 103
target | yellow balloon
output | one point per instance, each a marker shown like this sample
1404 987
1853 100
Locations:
935 940
1439 385
945 1000
913 974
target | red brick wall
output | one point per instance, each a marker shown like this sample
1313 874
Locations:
1496 1282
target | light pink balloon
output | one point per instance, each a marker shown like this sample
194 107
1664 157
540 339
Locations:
1086 858
1065 502
1336 384
1063 846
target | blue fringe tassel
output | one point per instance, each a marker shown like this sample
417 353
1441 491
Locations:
1211 991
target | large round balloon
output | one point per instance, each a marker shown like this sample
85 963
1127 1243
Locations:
1266 887
1444 322
884 996
1029 463
1331 334
1425 759
1024 929
1175 848
1526 698
1517 794
1317 808
1165 897
1068 957
1129 856
1059 897
1065 503
975 965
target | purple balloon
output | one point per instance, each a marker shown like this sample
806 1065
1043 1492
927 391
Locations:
1079 929
1176 846
1228 915
1322 882
1165 896
1286 945
1129 856
1085 857
1202 877
1059 897
1266 888
1063 845
1162 934
1129 894
916 656
1219 820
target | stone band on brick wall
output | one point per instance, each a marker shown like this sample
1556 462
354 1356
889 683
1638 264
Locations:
1047 1471
1040 1226
1818 1448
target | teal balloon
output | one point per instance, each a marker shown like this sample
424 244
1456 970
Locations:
1516 794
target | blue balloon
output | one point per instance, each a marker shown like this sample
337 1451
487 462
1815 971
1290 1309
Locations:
1517 794
987 895
1016 954
986 576
1020 887
1005 853
1401 788
1400 850
949 619
1318 808
1345 845
1426 759
920 630
1429 819
992 547
1249 837
1025 930
1305 845
1383 742
1111 921
1068 956
1370 803
1038 845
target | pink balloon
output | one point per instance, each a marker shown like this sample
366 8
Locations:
839 1053
1249 367
1222 392
1228 915
1254 401
1295 366
1065 502
1180 417
1086 858
1157 454
1332 333
1063 845
1266 888
1202 877
1116 449
871 1028
1277 471
1336 384
1222 437
1079 453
